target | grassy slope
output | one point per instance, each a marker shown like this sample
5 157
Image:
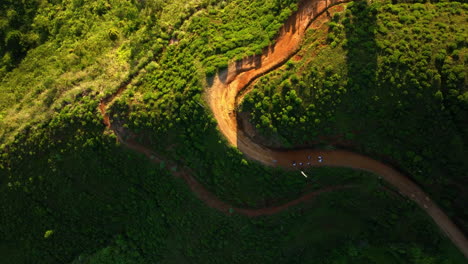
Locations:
87 47
110 205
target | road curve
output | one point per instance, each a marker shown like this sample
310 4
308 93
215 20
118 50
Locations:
224 97
126 138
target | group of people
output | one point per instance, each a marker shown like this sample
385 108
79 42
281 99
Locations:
320 159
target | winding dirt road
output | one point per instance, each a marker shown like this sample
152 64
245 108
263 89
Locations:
224 98
127 138
228 90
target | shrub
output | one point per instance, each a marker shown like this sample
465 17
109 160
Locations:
113 34
210 71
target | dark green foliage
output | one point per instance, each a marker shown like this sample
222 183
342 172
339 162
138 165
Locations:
16 36
108 205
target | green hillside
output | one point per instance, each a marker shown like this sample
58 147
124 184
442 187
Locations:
388 80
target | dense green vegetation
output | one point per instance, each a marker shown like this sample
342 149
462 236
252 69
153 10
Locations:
69 193
406 66
15 32
93 202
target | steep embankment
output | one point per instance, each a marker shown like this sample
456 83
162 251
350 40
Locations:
224 98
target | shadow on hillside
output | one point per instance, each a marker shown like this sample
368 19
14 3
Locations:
361 48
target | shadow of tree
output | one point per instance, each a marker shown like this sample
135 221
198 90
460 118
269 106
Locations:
360 26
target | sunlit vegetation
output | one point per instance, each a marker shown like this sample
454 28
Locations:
70 193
